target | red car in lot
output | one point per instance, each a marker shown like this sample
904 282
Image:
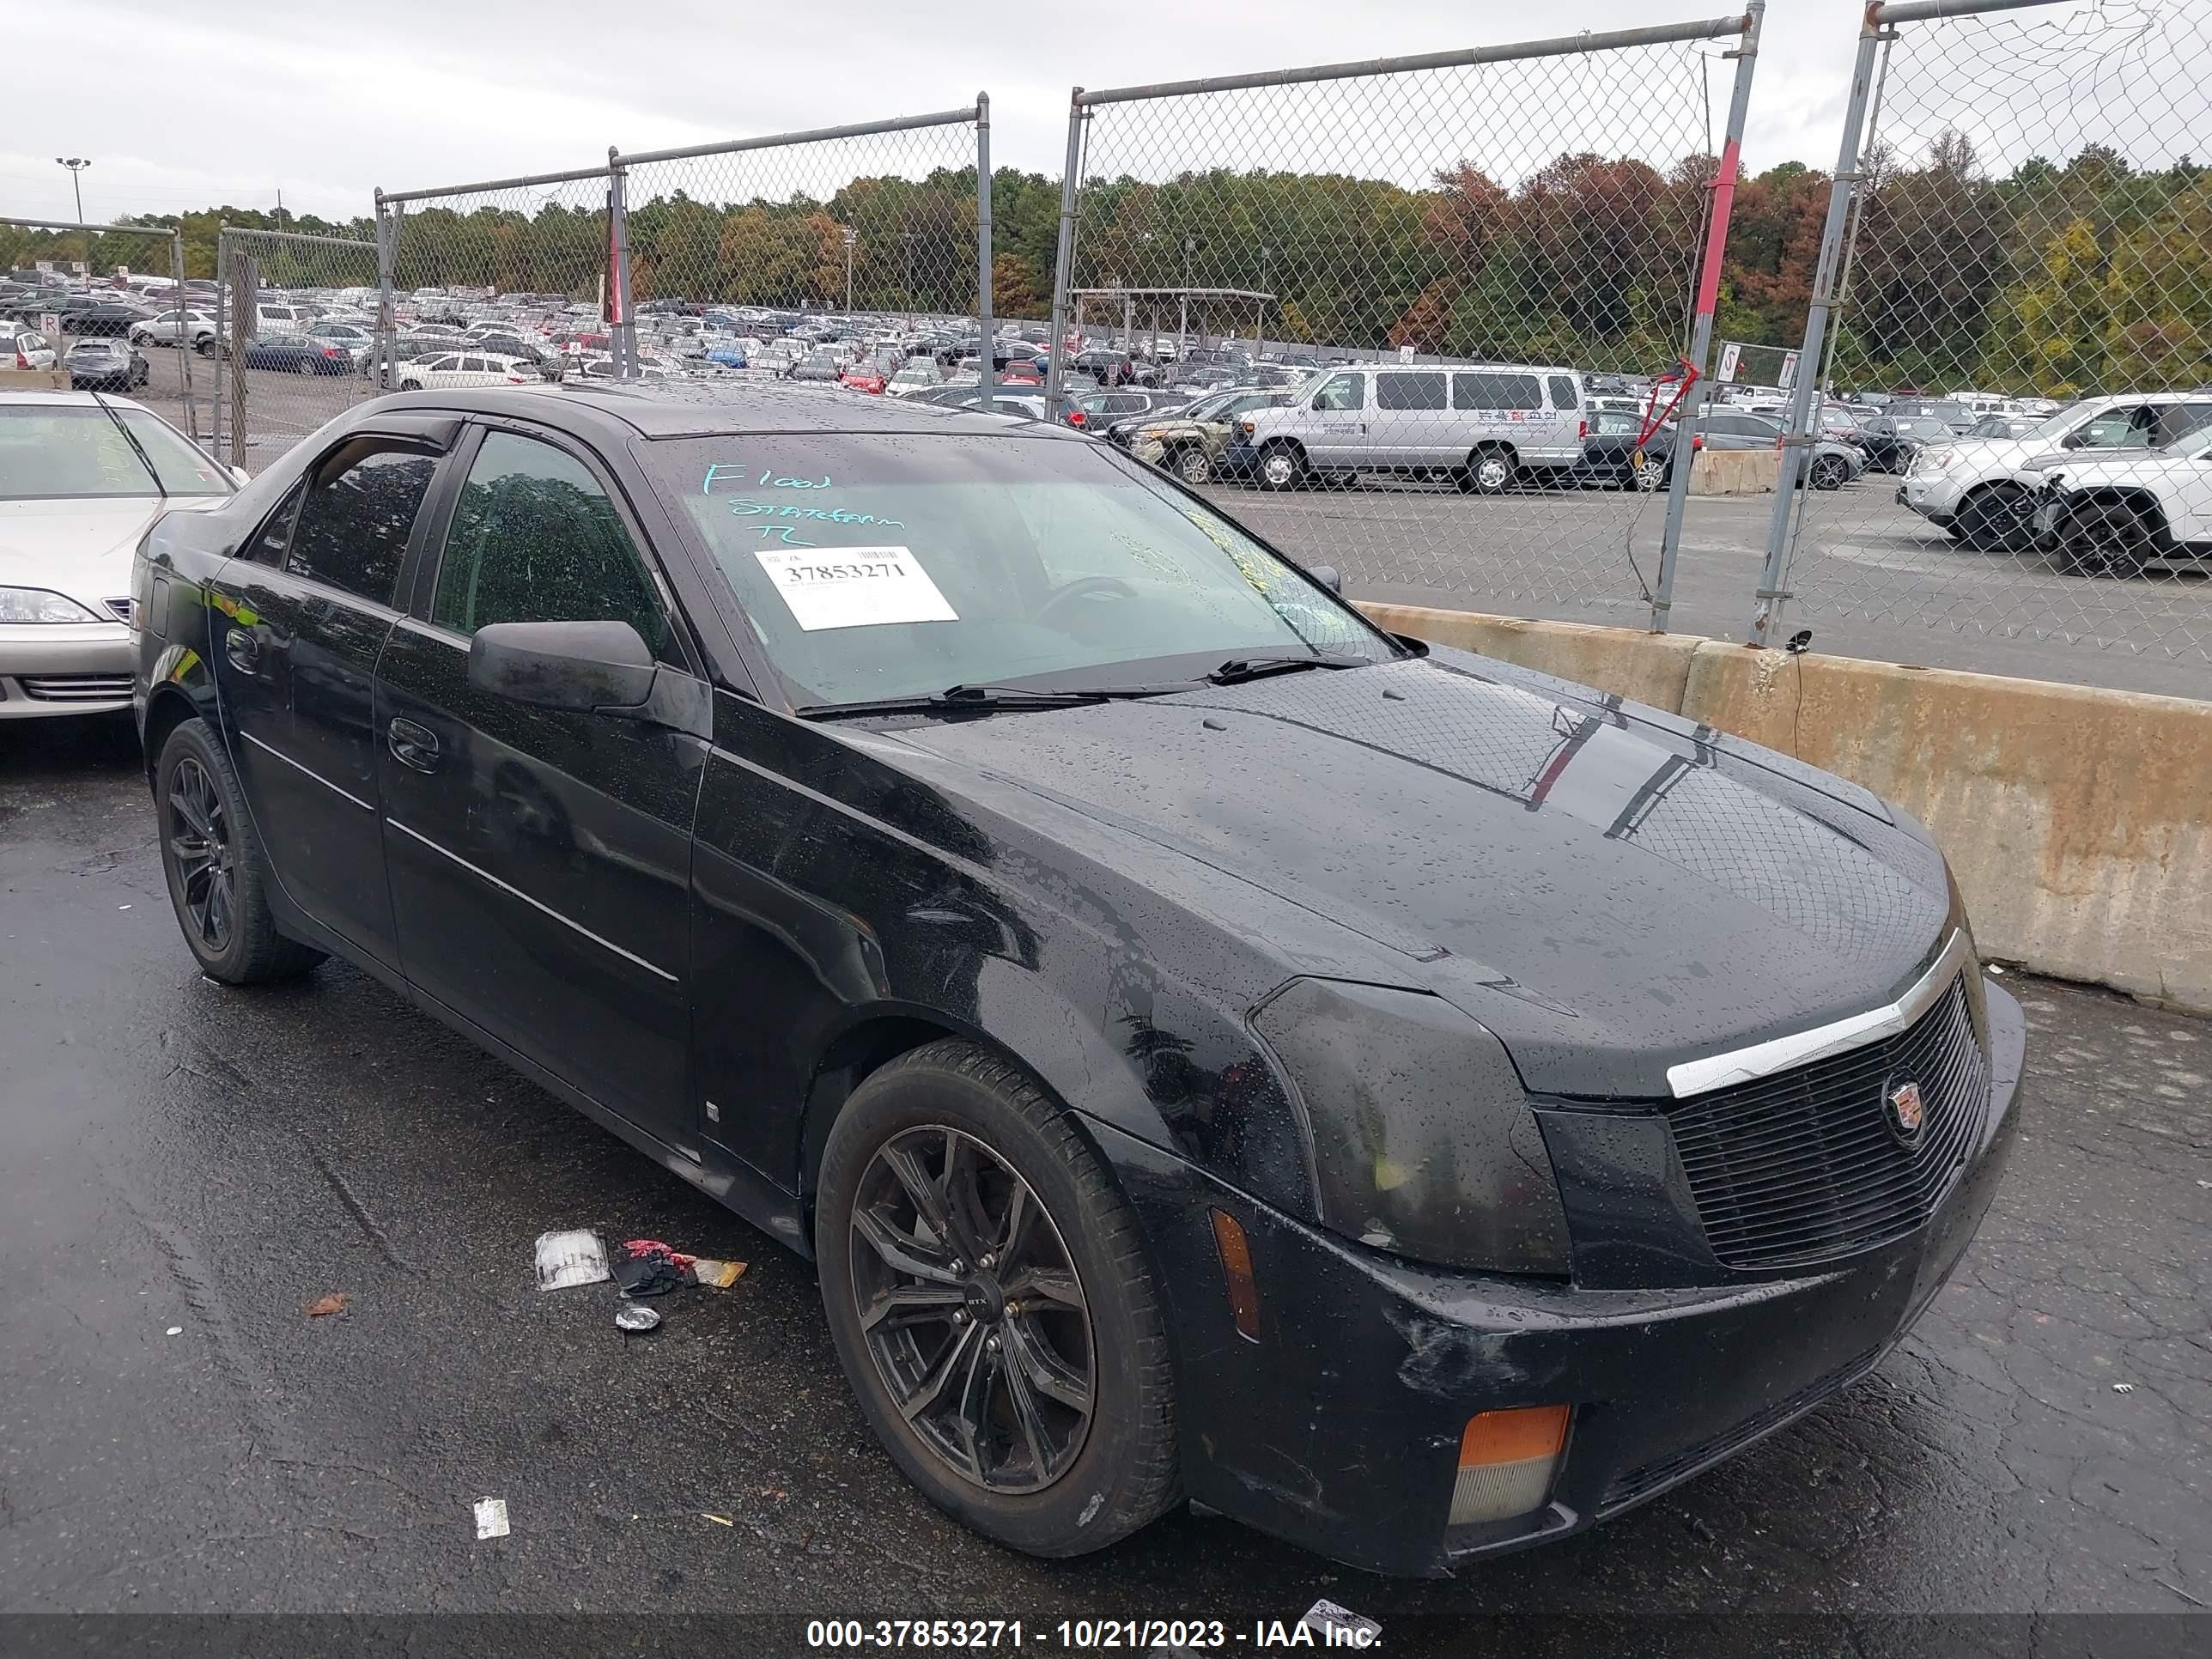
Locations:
864 377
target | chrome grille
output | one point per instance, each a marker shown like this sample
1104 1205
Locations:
76 687
1805 1166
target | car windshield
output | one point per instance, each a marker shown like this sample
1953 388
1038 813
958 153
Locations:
56 452
899 567
1925 426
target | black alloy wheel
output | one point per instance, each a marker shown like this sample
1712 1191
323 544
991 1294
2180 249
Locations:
973 1309
197 836
217 871
994 1304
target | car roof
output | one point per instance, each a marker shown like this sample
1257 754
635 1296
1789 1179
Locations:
679 408
77 399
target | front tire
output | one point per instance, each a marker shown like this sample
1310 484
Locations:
989 1295
1194 465
217 873
1993 519
306 366
1282 467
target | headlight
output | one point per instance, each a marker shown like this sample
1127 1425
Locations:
1935 460
38 605
1424 1143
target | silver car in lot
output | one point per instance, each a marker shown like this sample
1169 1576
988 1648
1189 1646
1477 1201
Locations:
82 478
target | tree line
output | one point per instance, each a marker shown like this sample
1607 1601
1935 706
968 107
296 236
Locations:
2055 278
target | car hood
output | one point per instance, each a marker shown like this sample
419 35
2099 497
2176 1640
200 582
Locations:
80 548
1609 895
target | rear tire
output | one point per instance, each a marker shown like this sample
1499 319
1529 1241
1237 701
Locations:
1829 472
1488 472
1019 1347
216 870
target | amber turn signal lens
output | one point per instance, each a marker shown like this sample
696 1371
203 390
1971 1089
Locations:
1235 1253
1506 1461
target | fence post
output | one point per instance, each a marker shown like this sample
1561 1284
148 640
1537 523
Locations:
184 335
221 343
241 330
1063 264
983 242
387 315
621 340
1794 441
1687 417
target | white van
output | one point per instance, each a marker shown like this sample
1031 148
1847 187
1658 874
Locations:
1485 426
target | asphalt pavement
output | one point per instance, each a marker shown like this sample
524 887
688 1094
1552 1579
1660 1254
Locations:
184 1168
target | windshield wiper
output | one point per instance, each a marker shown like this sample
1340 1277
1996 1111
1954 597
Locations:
959 698
137 448
1251 668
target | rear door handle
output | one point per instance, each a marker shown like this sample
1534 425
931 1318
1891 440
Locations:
414 745
243 650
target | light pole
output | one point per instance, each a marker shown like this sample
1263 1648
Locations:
907 236
851 237
77 165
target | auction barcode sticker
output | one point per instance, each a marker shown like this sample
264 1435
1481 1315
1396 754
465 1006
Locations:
855 587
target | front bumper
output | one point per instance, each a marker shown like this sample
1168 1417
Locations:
1934 497
1338 1429
49 669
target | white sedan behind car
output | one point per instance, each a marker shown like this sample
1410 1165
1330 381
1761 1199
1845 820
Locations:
82 478
467 368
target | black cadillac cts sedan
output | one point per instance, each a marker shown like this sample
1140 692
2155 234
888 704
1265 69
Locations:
1212 1048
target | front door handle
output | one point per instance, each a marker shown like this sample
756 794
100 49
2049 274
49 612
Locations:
413 744
243 650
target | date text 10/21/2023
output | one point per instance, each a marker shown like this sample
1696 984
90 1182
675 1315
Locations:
1324 1626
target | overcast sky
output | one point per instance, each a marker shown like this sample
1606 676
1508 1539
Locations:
228 100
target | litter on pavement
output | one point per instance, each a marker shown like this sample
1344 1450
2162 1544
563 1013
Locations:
491 1517
569 1259
1327 1619
646 1267
636 1317
324 1306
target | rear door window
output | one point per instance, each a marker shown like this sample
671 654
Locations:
1400 390
1564 396
1496 391
357 515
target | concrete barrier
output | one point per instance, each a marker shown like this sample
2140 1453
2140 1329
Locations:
2078 821
1734 472
1653 668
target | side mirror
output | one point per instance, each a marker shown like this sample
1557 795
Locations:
242 475
579 666
1327 576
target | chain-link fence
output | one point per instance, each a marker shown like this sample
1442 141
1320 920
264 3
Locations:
851 252
1419 289
512 281
2018 272
140 344
294 336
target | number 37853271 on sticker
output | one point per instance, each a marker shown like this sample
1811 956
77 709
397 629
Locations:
853 586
